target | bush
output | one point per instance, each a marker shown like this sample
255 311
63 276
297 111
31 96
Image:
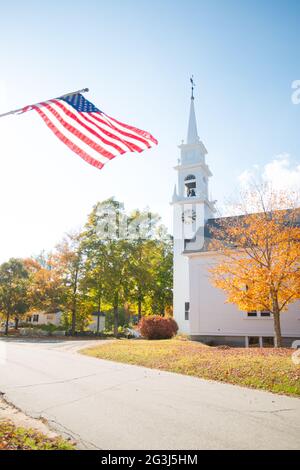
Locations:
157 327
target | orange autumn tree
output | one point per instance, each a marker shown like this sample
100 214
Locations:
45 290
259 263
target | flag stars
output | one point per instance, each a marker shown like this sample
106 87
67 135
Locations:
81 104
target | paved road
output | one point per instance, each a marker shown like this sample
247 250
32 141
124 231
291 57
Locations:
105 405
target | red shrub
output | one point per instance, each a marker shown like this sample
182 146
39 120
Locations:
157 327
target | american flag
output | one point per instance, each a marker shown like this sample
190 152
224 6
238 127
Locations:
89 132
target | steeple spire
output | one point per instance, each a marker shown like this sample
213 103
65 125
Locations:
192 86
192 135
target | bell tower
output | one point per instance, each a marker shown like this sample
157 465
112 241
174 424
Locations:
191 209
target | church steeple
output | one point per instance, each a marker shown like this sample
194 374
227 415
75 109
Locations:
192 134
193 150
193 171
192 208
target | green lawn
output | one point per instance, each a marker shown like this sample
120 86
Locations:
268 369
18 438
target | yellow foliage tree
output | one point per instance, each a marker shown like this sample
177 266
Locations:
259 263
45 291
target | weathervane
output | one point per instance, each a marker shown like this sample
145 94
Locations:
193 86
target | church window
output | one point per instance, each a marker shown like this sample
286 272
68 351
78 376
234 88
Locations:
259 314
268 342
265 313
254 342
252 313
190 185
186 310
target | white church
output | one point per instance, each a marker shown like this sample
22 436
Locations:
200 309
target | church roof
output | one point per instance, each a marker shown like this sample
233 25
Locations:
216 223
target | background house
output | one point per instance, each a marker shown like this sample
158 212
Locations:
98 322
44 318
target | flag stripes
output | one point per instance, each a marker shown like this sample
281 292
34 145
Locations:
90 133
85 156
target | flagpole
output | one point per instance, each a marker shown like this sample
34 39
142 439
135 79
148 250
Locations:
84 90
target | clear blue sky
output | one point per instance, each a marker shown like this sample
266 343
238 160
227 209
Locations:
136 58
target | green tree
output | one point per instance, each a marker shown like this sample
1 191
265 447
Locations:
128 261
94 281
142 228
14 279
106 256
162 287
68 263
117 276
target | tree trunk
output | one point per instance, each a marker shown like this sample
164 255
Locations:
139 309
127 315
6 324
16 323
116 315
98 323
98 316
74 306
116 320
277 327
73 324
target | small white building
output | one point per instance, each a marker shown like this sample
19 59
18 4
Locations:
44 318
98 322
199 307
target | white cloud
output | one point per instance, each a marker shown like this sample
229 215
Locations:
246 177
280 172
296 94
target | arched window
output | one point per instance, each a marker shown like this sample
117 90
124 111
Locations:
190 185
